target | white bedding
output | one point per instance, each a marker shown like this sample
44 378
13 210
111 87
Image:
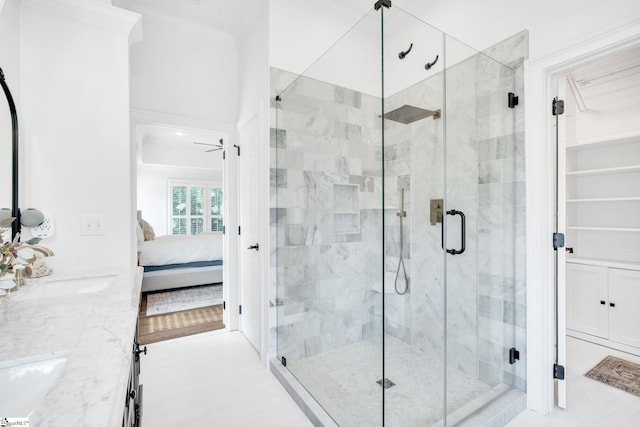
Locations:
165 250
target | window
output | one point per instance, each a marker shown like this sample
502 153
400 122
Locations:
195 208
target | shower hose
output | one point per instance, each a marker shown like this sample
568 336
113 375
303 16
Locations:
401 214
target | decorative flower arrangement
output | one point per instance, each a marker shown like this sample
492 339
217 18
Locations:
16 255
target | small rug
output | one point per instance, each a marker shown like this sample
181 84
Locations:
618 373
183 299
178 324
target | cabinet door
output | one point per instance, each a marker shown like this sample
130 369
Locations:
587 299
624 309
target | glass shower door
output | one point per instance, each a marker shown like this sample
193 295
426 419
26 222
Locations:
480 220
449 225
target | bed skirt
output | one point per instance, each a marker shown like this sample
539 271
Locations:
181 276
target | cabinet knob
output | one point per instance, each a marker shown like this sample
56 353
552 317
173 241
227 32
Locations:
611 304
602 302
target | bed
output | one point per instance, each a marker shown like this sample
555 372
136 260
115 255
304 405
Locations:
180 261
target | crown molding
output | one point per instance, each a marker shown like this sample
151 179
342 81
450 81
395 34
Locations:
92 12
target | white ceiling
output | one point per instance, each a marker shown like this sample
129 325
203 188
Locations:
171 145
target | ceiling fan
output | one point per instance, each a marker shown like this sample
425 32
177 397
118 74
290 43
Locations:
216 147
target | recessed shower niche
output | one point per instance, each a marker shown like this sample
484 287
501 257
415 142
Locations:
346 209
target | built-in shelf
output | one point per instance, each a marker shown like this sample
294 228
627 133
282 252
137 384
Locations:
621 169
631 229
628 265
605 141
346 209
604 199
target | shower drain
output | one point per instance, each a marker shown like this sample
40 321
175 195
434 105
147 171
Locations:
386 383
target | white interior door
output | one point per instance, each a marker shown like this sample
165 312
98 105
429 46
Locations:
249 221
561 227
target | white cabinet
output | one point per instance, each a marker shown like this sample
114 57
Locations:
624 306
587 307
603 304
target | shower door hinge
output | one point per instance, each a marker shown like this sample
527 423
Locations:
283 360
512 100
558 241
240 309
513 355
238 230
380 3
224 305
224 229
557 107
224 157
558 371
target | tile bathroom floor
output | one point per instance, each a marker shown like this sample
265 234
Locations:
213 379
216 378
589 402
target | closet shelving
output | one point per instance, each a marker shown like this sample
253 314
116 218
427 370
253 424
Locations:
603 186
603 228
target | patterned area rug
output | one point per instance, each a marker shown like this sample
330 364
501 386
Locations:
183 299
618 373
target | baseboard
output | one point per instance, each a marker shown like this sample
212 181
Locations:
604 342
312 409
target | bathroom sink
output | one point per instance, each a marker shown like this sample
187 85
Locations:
24 383
57 287
63 287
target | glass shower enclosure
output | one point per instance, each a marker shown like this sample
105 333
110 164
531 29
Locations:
394 225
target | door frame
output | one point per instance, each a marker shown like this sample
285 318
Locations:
540 200
229 183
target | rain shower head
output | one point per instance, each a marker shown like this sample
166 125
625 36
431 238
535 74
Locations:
409 114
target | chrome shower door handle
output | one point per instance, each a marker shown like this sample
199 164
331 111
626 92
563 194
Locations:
463 231
256 247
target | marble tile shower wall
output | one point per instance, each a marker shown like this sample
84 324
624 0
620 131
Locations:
413 162
326 181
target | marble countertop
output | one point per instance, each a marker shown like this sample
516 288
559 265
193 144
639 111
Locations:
95 330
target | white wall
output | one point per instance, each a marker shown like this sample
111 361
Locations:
153 191
184 69
76 152
300 34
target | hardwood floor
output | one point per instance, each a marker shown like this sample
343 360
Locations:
178 324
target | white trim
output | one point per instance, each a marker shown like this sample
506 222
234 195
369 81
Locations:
264 110
604 342
540 204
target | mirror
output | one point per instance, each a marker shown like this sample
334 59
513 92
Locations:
8 153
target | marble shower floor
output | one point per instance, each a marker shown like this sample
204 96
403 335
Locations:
343 381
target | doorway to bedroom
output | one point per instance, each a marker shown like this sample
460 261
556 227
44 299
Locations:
181 225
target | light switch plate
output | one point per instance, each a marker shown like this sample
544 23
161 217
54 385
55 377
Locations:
93 225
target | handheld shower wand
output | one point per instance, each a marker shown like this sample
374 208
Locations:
402 214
